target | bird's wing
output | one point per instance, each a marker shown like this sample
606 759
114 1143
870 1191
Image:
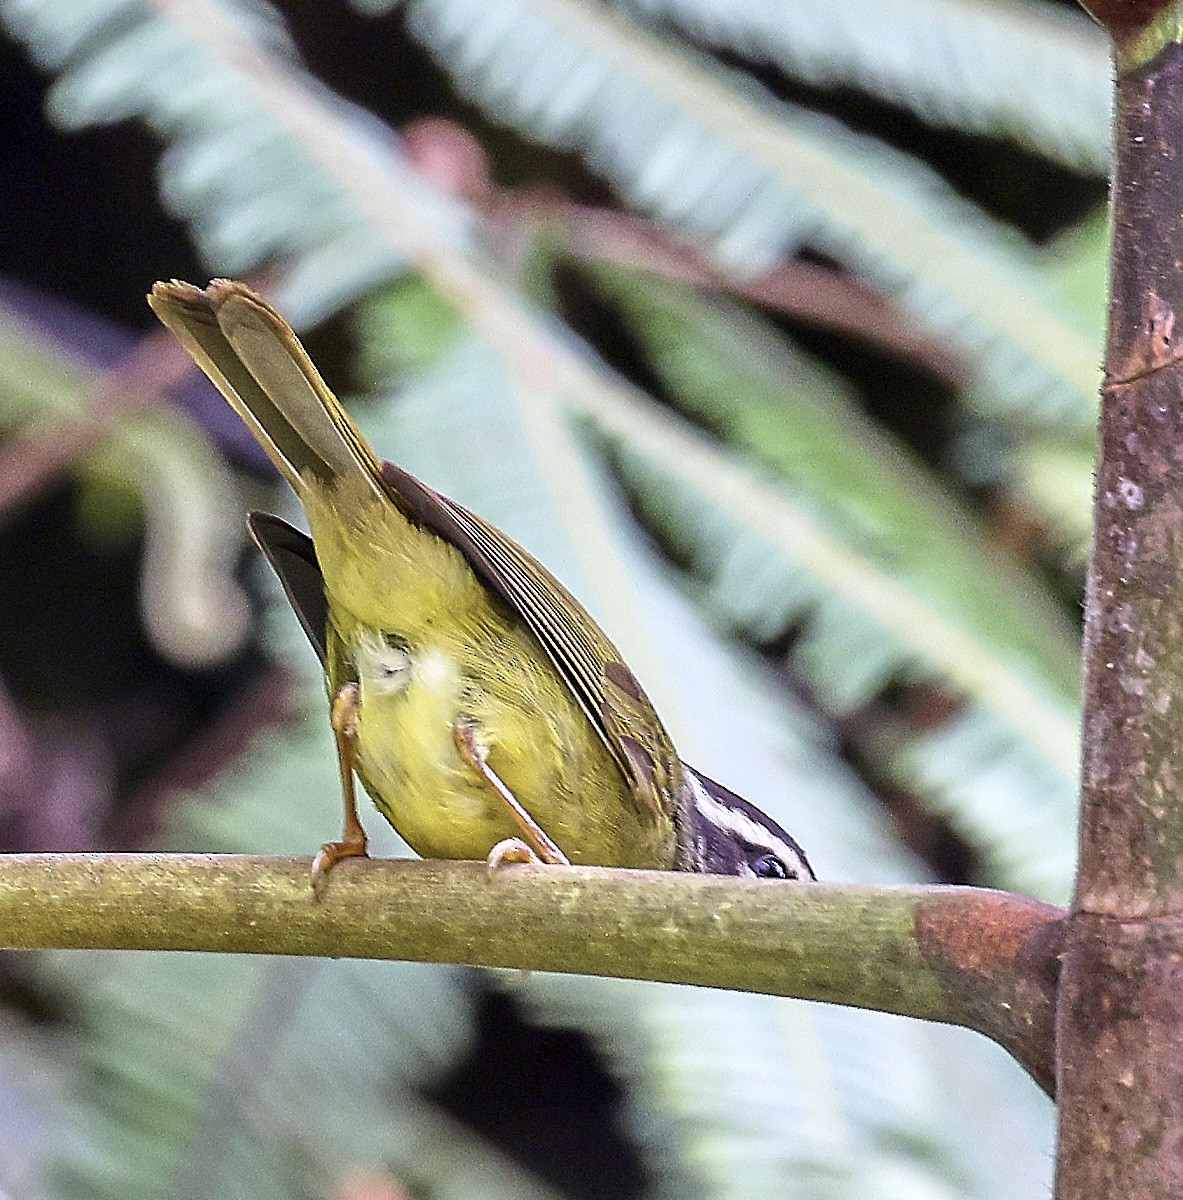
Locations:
587 661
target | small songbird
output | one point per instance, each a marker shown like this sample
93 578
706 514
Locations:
486 713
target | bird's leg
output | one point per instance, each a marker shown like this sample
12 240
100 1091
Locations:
536 846
353 836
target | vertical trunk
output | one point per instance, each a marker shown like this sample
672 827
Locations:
1120 1013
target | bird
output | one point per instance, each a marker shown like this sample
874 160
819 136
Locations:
482 708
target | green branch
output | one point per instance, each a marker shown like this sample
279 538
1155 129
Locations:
966 956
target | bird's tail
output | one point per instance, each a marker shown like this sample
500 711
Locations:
251 354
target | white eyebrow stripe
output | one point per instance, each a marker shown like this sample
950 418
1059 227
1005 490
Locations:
740 824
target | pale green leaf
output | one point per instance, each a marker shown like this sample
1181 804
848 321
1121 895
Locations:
1036 72
708 151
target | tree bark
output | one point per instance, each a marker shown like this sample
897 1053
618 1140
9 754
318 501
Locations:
1120 1013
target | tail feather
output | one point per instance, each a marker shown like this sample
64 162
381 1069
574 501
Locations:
258 364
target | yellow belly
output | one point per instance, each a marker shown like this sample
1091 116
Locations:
537 741
429 646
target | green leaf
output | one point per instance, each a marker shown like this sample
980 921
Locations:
1037 73
708 151
735 376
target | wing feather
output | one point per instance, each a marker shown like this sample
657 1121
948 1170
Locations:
581 652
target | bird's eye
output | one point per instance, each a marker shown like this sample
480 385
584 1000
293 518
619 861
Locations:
768 866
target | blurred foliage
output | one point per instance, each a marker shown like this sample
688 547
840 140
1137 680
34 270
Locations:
800 404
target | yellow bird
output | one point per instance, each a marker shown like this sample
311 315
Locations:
486 713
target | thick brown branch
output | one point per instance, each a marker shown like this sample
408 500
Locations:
970 957
1120 1057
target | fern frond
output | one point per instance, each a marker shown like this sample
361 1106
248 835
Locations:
825 1124
735 375
705 150
223 1076
1009 790
1030 71
699 484
1017 808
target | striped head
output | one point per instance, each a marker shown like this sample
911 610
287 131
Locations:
722 834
